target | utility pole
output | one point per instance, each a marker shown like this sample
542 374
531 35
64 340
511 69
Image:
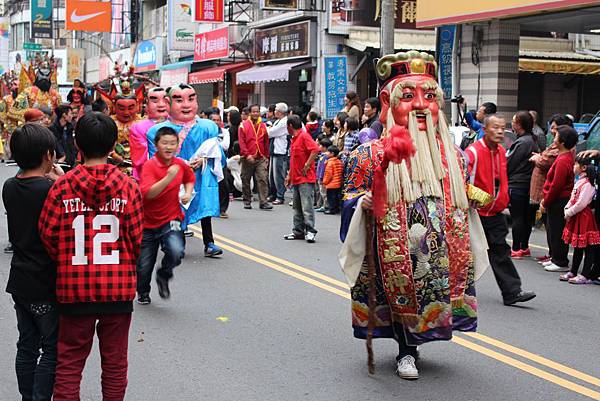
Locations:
388 17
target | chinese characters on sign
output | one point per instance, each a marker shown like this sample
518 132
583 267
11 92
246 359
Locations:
208 10
336 78
284 42
41 17
211 45
343 16
409 12
444 53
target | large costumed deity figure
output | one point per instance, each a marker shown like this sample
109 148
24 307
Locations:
36 88
9 91
422 267
77 100
125 106
199 145
157 111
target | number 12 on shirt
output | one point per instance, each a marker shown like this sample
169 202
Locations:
80 258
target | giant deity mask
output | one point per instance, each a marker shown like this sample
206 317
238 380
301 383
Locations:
408 85
184 105
157 107
126 108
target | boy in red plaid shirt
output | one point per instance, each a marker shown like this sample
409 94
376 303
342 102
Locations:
91 225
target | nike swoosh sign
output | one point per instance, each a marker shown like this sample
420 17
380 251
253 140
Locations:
80 18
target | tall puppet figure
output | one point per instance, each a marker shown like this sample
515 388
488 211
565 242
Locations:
126 103
77 100
157 111
196 133
422 269
35 89
8 94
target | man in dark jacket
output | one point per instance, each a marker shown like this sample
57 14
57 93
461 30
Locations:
519 169
63 132
370 118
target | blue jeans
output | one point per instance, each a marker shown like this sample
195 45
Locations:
170 239
38 328
278 173
304 210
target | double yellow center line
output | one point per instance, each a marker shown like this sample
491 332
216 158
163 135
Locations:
341 289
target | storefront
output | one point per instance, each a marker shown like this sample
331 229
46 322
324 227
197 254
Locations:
285 65
218 83
148 58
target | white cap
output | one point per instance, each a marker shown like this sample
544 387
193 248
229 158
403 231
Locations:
231 108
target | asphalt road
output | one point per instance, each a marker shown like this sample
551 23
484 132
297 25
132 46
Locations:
270 321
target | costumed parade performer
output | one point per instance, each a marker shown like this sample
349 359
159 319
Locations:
406 213
199 145
78 100
125 105
36 88
8 94
157 111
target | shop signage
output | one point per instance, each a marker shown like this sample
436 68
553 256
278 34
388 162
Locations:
343 16
31 46
283 42
180 35
91 16
174 77
211 45
75 60
445 44
336 84
208 11
147 56
279 4
41 18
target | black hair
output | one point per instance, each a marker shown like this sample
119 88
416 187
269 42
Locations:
272 108
61 110
99 105
30 143
329 124
164 131
334 149
95 135
213 110
294 121
374 103
313 116
246 110
326 143
561 119
590 168
46 110
489 108
253 106
342 116
525 120
352 123
567 136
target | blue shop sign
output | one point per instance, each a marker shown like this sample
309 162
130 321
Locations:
336 84
445 47
145 56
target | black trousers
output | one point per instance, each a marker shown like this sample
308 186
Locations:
556 225
207 234
522 218
506 274
590 263
334 200
224 191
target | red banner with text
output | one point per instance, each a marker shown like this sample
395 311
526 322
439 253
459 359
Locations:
208 11
211 45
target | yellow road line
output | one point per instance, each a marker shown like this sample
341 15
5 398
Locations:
271 265
528 368
456 339
536 358
284 262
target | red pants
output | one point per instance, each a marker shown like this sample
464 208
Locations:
75 338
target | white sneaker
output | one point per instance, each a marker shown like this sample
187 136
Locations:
554 268
310 237
407 368
547 263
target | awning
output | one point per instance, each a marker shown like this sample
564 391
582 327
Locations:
268 73
216 74
559 66
176 66
365 37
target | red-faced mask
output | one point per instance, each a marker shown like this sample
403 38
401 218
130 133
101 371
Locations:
126 109
183 105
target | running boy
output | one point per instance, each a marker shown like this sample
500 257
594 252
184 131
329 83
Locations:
91 224
32 278
162 176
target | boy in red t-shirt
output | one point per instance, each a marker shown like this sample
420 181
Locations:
91 225
162 176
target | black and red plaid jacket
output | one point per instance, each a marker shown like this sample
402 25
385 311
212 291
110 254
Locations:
91 225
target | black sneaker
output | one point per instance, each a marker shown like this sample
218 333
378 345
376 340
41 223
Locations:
8 249
188 233
163 287
144 299
266 206
247 205
522 296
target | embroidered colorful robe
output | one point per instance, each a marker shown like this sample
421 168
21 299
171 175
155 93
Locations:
424 267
